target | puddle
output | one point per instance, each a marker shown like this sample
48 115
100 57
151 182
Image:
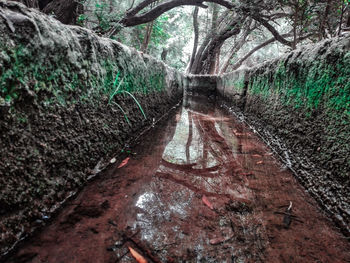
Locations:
155 203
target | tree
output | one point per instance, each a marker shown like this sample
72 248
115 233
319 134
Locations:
140 23
196 36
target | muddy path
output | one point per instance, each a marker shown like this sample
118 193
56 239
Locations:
200 187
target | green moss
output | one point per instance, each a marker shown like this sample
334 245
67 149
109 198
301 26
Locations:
236 83
54 81
313 88
308 87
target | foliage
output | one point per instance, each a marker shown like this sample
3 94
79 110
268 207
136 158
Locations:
171 31
118 90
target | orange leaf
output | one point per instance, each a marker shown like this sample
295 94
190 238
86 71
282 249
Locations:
260 162
207 202
137 256
123 163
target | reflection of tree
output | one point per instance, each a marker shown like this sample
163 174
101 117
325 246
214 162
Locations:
202 121
190 135
170 127
215 143
212 142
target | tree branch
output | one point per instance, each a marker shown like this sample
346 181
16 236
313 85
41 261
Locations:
273 31
132 19
139 7
271 40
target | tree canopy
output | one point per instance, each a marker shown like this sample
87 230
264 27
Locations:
206 37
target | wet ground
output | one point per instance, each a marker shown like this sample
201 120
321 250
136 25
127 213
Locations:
200 187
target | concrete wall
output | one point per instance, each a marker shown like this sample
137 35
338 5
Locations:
301 102
58 115
201 84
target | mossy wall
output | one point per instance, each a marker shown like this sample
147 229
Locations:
68 64
304 99
68 101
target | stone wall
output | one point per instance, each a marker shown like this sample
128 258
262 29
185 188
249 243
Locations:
301 104
69 100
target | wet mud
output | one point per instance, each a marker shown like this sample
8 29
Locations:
200 187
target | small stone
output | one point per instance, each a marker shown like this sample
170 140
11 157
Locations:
113 160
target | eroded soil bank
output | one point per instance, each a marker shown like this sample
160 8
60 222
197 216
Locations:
201 187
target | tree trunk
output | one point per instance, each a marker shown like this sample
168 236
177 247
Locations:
206 55
213 29
66 11
199 53
295 27
237 47
341 18
147 37
196 35
322 32
164 54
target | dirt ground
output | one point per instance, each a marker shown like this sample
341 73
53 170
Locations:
199 187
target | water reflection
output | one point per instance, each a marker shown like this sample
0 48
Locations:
201 159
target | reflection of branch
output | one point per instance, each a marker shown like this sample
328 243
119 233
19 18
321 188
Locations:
205 137
190 135
205 153
190 185
187 168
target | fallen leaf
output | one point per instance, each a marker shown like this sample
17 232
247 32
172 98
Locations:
260 162
112 160
123 163
207 202
137 256
256 155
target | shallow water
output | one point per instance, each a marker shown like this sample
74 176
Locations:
200 187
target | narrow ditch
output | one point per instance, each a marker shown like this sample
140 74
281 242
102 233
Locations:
199 187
